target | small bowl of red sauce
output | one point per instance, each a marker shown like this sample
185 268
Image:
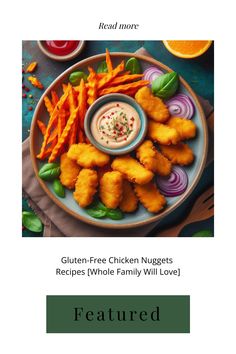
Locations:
61 50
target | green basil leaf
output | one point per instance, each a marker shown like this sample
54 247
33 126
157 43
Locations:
115 214
98 210
203 233
31 221
102 67
101 206
76 77
49 171
98 205
133 66
96 213
165 85
58 188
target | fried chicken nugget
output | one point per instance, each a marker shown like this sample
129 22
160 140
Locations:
85 187
180 154
111 189
152 105
69 171
185 127
150 197
152 159
129 200
87 155
162 133
132 169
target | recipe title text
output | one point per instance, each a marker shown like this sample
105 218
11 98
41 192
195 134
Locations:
117 266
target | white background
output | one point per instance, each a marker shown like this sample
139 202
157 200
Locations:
27 265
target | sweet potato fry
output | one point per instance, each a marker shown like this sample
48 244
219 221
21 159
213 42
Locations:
81 136
92 86
52 119
55 98
77 129
66 105
131 92
71 100
52 141
73 135
41 126
64 87
100 75
123 88
35 82
124 79
82 110
64 135
108 61
82 103
76 89
48 151
72 106
73 132
111 75
48 105
61 121
53 135
124 73
31 67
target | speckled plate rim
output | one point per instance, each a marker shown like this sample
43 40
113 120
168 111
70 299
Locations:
90 61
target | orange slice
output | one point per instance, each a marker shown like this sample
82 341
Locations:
187 49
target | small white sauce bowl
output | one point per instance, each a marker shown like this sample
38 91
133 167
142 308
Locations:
111 98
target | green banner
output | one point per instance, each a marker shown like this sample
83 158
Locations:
118 314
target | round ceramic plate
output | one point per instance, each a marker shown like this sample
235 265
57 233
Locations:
141 216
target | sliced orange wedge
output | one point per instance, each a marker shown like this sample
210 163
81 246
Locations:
187 49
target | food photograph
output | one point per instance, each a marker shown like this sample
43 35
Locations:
118 138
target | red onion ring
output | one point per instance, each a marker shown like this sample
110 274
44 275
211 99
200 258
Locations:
175 184
181 105
152 73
